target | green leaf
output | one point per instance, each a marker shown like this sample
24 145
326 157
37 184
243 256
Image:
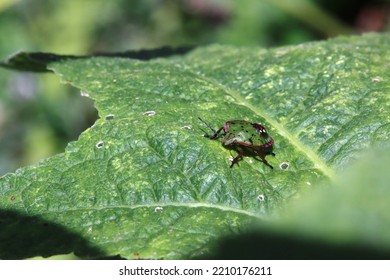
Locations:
347 219
360 206
144 182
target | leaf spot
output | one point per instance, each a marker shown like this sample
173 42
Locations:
284 166
261 197
100 144
376 80
158 209
110 116
149 113
186 127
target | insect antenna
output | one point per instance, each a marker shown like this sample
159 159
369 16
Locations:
209 126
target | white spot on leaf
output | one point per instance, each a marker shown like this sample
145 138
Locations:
158 209
284 166
110 116
261 197
149 113
100 144
186 127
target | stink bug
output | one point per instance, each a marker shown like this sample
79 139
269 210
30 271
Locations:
246 138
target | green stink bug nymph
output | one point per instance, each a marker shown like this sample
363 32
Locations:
245 138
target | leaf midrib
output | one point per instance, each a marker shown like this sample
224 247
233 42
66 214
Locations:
166 204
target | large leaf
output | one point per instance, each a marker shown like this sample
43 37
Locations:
144 182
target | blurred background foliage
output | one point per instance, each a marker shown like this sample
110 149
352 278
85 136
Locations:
39 116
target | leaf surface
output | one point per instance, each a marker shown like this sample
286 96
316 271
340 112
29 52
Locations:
143 182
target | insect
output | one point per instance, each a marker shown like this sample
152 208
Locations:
246 138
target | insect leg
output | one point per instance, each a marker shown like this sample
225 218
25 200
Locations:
237 158
263 159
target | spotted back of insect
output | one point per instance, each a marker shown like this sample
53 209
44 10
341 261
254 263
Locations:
246 132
